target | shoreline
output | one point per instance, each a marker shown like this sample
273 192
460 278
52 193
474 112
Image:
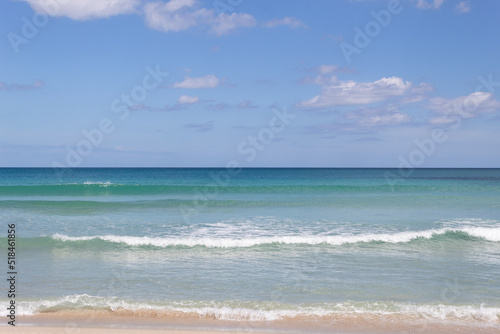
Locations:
123 321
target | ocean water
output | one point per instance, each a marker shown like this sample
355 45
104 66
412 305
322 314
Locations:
257 244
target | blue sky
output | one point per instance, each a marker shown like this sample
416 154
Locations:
185 83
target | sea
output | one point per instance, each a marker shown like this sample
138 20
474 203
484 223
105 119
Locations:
255 245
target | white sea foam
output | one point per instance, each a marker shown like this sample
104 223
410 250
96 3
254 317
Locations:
261 311
489 234
101 184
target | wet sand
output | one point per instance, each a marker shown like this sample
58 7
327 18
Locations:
128 322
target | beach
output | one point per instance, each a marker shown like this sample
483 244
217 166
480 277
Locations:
123 322
254 250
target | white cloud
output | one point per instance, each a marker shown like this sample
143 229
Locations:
442 120
224 23
463 7
425 4
422 88
389 119
327 69
185 99
287 21
468 106
81 10
371 117
174 5
175 15
364 120
357 93
438 3
418 93
320 80
422 4
178 15
208 81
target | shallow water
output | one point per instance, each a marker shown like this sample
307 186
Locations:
261 244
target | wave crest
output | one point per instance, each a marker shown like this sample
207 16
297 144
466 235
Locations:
488 234
257 311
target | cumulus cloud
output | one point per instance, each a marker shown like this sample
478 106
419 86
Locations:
208 81
418 93
287 21
468 106
178 15
175 15
463 7
169 16
82 10
335 93
185 99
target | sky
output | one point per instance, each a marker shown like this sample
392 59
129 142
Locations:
252 83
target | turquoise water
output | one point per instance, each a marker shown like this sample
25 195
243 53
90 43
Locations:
257 244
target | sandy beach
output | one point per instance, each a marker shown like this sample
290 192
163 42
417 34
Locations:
104 330
60 330
110 322
50 330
